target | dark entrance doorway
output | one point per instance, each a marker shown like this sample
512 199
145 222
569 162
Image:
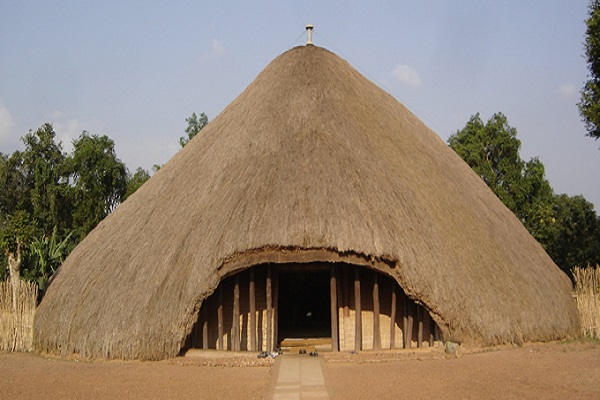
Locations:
304 309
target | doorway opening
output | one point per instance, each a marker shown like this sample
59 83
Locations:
335 306
304 311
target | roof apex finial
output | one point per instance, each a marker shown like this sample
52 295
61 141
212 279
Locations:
309 29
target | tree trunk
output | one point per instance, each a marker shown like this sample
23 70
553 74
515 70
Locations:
14 266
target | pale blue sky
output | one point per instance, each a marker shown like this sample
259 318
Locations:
134 70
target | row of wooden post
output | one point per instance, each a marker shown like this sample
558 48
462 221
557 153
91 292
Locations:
235 326
407 320
271 301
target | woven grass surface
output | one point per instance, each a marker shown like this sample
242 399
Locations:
587 293
312 162
16 325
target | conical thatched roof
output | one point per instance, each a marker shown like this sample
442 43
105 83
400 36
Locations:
311 162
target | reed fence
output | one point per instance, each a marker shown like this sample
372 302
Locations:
16 325
587 293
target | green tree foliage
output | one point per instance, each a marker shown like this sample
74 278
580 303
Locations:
13 193
567 227
49 200
195 125
46 179
577 241
492 150
99 178
136 180
47 254
589 105
13 228
35 195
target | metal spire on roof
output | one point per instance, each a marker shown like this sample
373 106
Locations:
309 29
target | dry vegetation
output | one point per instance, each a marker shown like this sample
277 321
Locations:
16 331
425 373
587 293
16 326
307 181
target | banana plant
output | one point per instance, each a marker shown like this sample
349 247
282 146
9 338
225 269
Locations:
49 253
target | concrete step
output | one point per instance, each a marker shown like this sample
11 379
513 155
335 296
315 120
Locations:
294 345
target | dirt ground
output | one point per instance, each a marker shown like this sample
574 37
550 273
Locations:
31 376
564 370
567 370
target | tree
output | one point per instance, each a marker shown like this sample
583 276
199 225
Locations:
136 180
13 189
567 227
589 104
577 241
50 200
492 150
34 197
46 179
15 230
195 125
99 179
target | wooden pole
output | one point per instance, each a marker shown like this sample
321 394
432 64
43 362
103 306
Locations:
358 312
275 308
409 323
252 300
376 331
393 318
334 310
220 316
404 320
345 289
420 322
431 327
439 337
269 311
205 325
235 323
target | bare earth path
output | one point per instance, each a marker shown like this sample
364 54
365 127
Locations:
298 377
29 376
534 371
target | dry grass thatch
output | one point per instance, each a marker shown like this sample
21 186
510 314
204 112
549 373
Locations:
16 325
312 162
587 293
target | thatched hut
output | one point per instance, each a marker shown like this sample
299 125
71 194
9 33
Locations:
314 205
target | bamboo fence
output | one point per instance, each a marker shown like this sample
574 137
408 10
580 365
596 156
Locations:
587 293
16 325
